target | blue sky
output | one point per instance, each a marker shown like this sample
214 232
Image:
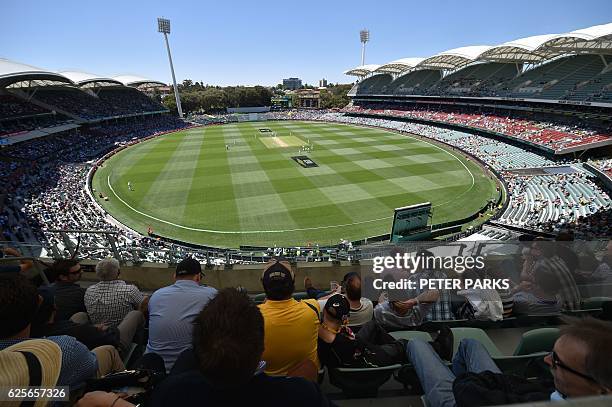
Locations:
260 41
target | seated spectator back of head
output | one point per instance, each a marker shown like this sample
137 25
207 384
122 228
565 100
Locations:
18 306
362 308
291 327
228 341
278 280
173 309
228 338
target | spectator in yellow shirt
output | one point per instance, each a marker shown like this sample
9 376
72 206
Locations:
290 327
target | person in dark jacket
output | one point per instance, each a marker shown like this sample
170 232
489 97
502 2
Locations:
68 294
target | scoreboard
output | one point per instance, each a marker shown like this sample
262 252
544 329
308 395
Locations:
411 222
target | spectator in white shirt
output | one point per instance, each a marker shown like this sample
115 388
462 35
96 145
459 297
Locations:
362 308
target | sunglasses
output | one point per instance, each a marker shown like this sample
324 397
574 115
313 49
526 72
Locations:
556 362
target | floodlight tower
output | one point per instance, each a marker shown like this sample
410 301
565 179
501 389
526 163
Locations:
163 26
364 36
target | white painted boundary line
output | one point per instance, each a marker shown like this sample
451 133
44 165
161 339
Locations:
298 229
235 231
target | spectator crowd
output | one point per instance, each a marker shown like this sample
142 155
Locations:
204 346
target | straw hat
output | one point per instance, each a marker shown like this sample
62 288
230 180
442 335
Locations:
15 371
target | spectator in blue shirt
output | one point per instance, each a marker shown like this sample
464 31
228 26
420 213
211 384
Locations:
173 309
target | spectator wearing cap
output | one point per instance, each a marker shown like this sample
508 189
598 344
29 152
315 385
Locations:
114 303
361 307
338 346
291 327
68 294
173 309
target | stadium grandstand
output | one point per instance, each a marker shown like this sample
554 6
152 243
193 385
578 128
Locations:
527 121
501 88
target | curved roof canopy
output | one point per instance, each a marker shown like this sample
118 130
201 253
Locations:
521 50
453 58
134 80
598 37
12 72
362 70
534 49
399 66
83 78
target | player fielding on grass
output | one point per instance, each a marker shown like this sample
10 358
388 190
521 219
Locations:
130 186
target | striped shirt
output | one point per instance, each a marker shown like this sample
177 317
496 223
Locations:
108 302
569 295
528 303
507 301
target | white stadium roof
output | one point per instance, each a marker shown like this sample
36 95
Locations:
399 66
81 78
134 80
454 58
11 72
534 49
597 37
362 70
521 50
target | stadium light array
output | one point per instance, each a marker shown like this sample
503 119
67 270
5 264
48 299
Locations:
163 26
364 37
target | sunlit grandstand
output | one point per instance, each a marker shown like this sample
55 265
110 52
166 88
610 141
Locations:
499 154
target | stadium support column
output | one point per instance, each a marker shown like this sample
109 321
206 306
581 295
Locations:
164 28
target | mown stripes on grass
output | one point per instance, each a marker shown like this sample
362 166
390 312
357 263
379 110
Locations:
191 179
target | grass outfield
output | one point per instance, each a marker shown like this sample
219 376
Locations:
189 186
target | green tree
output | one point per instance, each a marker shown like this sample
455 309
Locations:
295 100
169 103
326 99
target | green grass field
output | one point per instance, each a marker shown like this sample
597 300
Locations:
188 186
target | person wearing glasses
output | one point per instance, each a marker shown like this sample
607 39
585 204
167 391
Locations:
581 359
580 364
173 309
68 293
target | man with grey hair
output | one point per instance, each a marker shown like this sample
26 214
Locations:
114 303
